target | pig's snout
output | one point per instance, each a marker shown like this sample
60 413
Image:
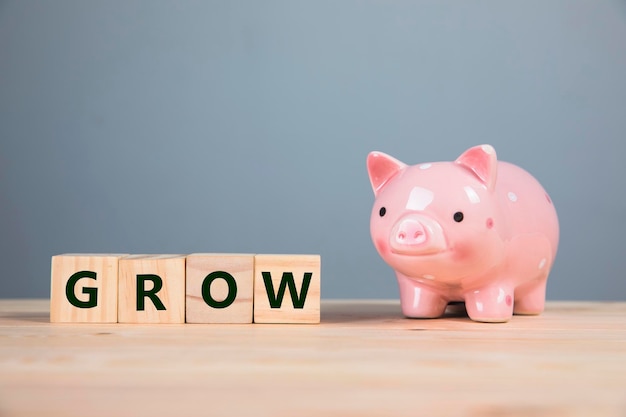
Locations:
410 232
415 234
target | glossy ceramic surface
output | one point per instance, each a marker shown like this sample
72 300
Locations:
476 230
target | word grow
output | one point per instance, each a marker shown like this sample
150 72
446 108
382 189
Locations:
196 288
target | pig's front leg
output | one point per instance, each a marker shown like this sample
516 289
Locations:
420 301
492 304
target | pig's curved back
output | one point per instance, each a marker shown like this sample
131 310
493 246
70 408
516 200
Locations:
526 205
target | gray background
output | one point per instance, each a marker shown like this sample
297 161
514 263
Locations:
243 126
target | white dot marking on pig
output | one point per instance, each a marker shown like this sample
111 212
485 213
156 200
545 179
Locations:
501 295
488 149
471 194
428 276
542 263
512 196
419 199
425 166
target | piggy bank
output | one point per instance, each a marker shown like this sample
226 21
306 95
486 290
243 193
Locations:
476 230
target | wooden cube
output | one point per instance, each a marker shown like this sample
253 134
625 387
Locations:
287 288
152 289
219 288
84 288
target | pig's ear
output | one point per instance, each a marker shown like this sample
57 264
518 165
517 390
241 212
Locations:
381 168
483 162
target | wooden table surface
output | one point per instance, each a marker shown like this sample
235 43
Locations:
364 359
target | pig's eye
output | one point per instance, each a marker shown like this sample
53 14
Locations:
382 211
458 216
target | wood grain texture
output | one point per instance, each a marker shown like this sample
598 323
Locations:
363 359
238 266
287 310
170 269
102 287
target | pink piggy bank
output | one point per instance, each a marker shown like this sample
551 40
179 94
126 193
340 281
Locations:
474 230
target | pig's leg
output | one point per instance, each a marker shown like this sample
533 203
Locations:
530 259
530 298
493 304
420 301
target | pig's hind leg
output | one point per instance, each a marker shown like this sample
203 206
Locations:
530 298
532 266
